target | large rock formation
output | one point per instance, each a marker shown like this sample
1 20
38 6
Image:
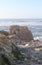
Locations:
26 53
22 32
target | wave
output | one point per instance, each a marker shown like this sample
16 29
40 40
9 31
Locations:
38 38
8 23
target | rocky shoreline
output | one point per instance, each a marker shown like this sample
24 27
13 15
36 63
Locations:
17 47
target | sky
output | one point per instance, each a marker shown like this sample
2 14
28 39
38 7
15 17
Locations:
20 8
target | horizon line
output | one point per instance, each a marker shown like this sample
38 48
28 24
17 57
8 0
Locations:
20 18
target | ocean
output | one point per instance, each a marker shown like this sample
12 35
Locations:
35 25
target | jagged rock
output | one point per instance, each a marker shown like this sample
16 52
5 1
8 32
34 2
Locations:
10 54
22 32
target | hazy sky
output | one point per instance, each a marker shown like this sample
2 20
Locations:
20 8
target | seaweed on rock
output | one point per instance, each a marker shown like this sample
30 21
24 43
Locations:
4 60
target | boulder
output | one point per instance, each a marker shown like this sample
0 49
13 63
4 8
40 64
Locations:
22 32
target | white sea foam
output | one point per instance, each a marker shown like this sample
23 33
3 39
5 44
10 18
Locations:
38 38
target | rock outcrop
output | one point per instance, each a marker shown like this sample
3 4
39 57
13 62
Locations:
23 54
26 53
22 32
16 50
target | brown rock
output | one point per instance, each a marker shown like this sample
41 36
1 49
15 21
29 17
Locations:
14 29
4 32
22 32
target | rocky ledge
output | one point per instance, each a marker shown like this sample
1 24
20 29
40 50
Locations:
17 47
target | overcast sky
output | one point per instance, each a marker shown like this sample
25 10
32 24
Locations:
20 8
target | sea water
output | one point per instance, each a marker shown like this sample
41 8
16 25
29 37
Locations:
35 25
